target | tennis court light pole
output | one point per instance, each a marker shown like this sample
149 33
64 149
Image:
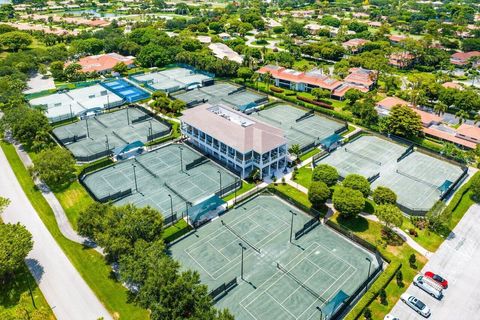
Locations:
135 176
86 122
128 116
241 265
106 142
221 191
181 159
291 225
171 204
369 266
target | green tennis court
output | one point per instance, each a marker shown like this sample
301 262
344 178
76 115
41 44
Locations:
231 95
307 131
281 280
159 174
93 137
417 178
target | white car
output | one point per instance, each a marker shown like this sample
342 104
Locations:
390 317
429 286
416 304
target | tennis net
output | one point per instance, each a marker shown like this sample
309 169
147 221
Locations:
416 179
303 285
268 118
363 157
240 237
303 132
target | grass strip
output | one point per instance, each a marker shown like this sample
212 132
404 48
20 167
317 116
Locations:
89 263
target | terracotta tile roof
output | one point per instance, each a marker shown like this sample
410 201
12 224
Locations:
353 43
448 137
396 38
400 59
361 76
469 131
452 85
340 91
225 124
461 58
427 117
103 62
390 102
313 77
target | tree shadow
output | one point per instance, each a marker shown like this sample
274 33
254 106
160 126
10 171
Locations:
35 268
356 224
13 287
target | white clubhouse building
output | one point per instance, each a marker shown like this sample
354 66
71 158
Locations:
235 139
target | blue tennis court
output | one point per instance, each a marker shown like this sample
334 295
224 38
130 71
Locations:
126 90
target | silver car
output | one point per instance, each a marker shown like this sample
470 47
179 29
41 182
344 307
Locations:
416 304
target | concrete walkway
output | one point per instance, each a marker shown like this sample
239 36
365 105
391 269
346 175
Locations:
60 216
63 287
402 234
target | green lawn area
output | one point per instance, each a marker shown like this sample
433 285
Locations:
15 297
294 193
176 230
371 231
309 154
304 176
74 200
245 187
89 263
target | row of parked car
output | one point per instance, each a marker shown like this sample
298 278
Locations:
431 283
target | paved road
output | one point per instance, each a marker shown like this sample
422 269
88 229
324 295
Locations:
458 260
63 287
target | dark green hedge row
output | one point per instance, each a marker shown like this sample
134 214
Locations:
381 283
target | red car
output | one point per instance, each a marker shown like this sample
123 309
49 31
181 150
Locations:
435 277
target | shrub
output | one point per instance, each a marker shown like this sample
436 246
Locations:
315 102
318 193
383 296
475 186
399 277
325 173
384 195
348 202
357 182
275 89
412 260
367 314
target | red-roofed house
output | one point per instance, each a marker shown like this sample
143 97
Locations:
361 79
396 38
401 59
463 58
469 132
104 63
452 85
384 106
428 119
354 45
448 136
300 81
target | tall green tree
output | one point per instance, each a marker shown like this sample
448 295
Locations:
357 182
15 40
326 173
15 244
403 121
390 215
348 202
55 167
318 193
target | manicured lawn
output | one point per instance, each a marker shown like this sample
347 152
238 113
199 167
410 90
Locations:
74 200
176 230
89 263
245 187
294 193
309 154
304 176
371 231
15 297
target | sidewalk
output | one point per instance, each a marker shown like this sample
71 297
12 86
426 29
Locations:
60 216
412 243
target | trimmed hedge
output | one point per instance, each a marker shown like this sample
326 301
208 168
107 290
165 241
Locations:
381 283
315 102
457 198
275 89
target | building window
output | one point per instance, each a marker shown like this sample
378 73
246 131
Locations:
256 157
265 157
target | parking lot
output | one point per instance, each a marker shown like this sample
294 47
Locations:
458 261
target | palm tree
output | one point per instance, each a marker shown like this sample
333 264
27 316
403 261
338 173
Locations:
462 115
440 108
295 150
